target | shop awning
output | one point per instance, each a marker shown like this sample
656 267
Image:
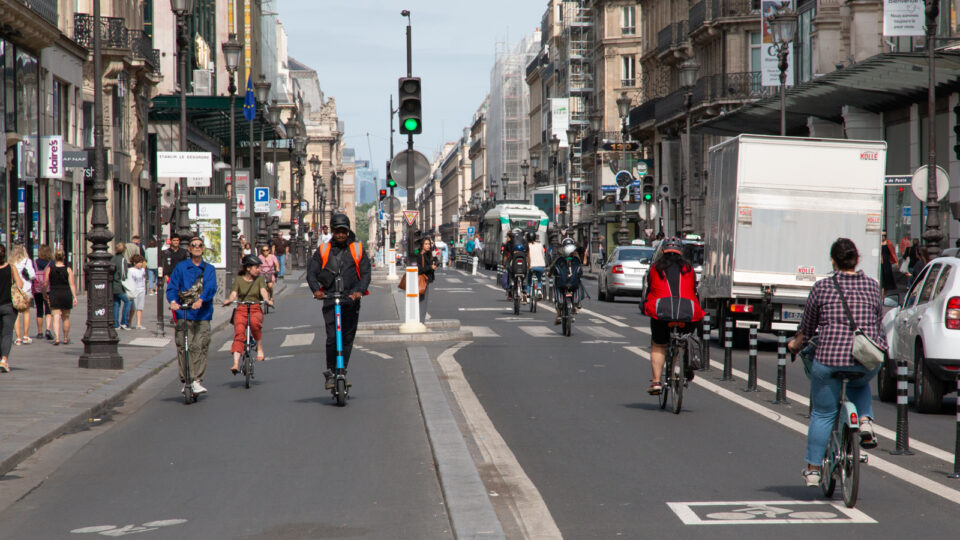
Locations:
211 116
880 83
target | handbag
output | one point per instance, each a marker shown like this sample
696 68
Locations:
865 350
128 283
421 283
20 300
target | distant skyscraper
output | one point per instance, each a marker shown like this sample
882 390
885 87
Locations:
367 182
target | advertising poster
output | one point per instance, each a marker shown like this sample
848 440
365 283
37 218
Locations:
903 18
769 63
560 113
243 192
212 223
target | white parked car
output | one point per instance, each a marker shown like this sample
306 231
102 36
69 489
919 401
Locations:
923 329
624 273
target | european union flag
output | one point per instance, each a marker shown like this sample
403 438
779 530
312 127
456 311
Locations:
249 102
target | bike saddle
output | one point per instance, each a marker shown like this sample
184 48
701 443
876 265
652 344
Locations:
849 375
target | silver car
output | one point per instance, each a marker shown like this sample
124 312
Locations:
624 273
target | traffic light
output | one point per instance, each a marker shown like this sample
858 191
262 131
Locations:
647 189
391 183
563 202
410 107
383 194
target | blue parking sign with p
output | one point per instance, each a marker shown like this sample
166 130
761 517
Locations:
261 194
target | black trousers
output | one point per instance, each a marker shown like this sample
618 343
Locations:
349 317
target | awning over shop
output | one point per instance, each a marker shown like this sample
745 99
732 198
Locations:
211 115
880 83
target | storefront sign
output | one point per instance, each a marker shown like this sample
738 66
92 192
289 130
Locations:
214 231
51 156
560 114
769 63
75 159
27 162
242 187
903 17
184 164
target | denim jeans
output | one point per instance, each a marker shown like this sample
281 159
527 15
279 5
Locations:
283 264
825 393
535 272
121 314
151 279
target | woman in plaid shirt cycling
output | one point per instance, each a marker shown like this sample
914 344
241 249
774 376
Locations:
824 317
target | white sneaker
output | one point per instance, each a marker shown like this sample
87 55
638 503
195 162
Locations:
183 389
198 388
811 477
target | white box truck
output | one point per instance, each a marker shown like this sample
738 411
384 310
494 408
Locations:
773 208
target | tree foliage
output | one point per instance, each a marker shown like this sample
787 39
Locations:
362 225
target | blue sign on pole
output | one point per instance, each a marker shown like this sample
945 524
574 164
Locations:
470 231
261 194
21 195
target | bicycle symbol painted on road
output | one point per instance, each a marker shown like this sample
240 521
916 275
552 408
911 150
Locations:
766 513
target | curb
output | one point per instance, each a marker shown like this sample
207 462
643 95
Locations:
468 505
36 436
458 335
393 325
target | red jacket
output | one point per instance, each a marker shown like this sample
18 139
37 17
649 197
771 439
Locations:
672 297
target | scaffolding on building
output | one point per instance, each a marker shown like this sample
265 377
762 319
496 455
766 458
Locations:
578 83
508 125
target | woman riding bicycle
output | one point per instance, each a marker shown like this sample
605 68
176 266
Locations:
248 287
671 296
538 261
567 271
825 318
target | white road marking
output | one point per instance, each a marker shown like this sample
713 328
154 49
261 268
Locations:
642 353
642 329
498 289
454 280
604 318
298 340
149 342
378 354
599 331
454 289
604 342
527 506
619 317
767 513
304 284
114 530
485 309
226 346
539 331
292 327
480 331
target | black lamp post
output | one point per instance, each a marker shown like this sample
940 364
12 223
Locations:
261 91
505 184
688 78
783 26
231 57
100 338
341 174
182 9
292 129
932 235
300 146
572 133
317 178
555 156
524 169
623 109
596 123
273 115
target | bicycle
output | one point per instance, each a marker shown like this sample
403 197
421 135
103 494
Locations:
188 395
673 376
535 292
565 310
246 359
842 457
517 293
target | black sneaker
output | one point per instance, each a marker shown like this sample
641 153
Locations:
689 374
49 335
328 380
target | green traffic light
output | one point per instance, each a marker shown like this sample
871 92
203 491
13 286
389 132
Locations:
410 124
391 183
647 196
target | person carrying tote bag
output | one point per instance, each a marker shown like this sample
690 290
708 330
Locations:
24 267
9 280
425 274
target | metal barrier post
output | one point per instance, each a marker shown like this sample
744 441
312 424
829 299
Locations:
475 262
956 446
903 428
781 370
727 350
752 362
705 353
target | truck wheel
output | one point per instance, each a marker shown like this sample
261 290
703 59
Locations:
887 380
927 390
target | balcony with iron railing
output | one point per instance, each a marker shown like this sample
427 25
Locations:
672 36
709 12
48 9
142 47
698 15
113 31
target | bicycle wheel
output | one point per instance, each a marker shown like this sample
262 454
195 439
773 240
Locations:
676 382
247 368
828 482
516 301
664 395
533 300
566 318
188 396
340 392
850 466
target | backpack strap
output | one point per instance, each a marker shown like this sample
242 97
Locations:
324 255
356 250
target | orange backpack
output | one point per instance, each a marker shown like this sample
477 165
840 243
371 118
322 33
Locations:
356 251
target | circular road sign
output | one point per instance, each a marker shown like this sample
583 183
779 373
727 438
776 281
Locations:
392 205
919 183
641 168
624 178
421 169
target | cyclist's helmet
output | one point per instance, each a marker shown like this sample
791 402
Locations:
672 245
339 221
568 247
251 260
531 236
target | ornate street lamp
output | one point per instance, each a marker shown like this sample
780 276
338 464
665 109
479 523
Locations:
182 9
555 156
505 182
572 134
596 124
341 173
273 116
317 178
100 338
231 58
932 236
783 26
524 169
623 109
292 128
688 78
261 91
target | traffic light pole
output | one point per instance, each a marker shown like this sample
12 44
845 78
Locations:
410 179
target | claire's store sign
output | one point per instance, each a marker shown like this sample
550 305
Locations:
51 156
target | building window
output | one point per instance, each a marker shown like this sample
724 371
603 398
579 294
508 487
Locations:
87 124
628 22
803 47
756 44
60 110
628 70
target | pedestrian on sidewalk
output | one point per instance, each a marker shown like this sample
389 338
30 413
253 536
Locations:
121 301
40 284
249 286
25 270
193 285
8 316
269 266
427 265
280 247
152 264
888 260
61 294
138 272
171 257
339 267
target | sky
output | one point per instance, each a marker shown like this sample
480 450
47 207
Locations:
358 48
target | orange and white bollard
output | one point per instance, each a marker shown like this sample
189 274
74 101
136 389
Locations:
412 324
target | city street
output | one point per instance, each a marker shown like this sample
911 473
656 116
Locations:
562 432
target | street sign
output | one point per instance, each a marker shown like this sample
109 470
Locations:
620 146
392 205
410 216
421 169
21 200
897 179
275 208
624 178
919 183
198 181
642 168
471 231
261 200
304 207
184 164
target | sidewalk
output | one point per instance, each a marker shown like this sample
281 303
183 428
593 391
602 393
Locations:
45 394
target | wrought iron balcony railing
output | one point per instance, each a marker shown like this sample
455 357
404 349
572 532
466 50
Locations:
142 47
45 8
113 31
671 36
698 15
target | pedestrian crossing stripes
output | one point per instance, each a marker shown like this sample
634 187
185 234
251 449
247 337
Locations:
297 340
480 331
454 280
599 331
539 331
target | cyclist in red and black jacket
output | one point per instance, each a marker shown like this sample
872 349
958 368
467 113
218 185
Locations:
671 297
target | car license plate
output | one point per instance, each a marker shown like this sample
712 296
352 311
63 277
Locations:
792 314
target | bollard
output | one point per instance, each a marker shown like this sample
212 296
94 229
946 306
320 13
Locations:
903 428
392 263
705 353
412 324
956 446
475 262
727 350
752 363
781 370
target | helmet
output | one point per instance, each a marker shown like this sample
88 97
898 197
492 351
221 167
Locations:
530 236
517 233
339 221
568 247
672 245
251 260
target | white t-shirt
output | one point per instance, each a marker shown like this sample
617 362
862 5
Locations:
139 276
536 255
28 282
